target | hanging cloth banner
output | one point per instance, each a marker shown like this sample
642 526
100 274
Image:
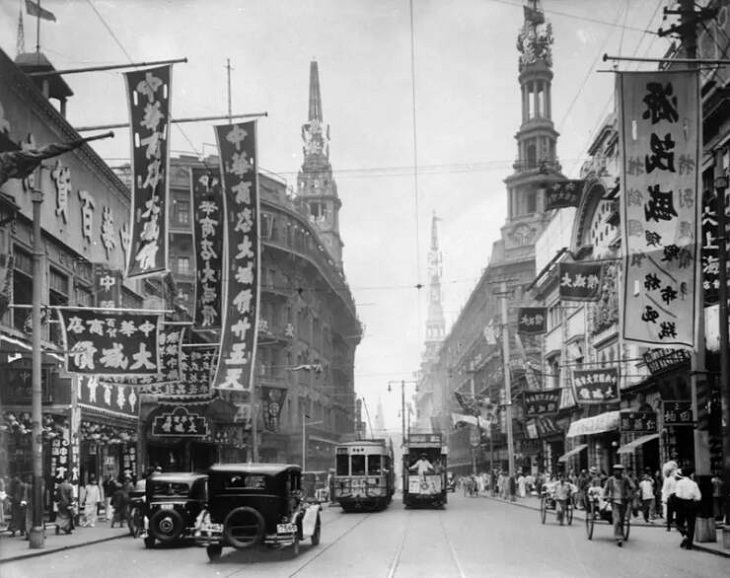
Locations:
116 398
539 403
237 147
580 281
7 267
208 232
598 385
197 365
660 208
170 340
532 320
541 427
148 93
106 343
272 400
563 194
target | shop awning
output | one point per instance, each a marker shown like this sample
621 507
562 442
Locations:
592 425
632 445
575 450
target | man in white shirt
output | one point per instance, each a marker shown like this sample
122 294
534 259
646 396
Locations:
646 487
688 497
668 495
422 466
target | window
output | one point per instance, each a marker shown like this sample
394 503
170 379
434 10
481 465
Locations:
358 465
83 296
183 265
22 287
182 212
342 465
57 295
374 466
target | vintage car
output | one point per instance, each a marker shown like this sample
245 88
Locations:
252 505
173 502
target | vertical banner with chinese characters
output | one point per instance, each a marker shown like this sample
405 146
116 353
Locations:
660 205
114 344
170 340
208 232
580 281
237 146
108 285
148 92
272 401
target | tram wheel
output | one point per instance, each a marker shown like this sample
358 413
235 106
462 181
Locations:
543 509
590 519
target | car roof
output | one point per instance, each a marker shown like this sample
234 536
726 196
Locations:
176 476
262 469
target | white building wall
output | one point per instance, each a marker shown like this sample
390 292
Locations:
555 236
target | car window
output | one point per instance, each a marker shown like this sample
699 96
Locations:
176 489
247 481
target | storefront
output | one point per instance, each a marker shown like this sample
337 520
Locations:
600 434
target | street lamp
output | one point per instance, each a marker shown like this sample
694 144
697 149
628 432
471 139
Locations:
305 417
402 404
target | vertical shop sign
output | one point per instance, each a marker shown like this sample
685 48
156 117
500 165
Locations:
237 146
660 212
148 93
108 284
169 340
208 232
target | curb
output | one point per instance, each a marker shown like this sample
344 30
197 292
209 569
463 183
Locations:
44 551
695 546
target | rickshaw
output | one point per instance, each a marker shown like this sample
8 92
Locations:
548 502
597 510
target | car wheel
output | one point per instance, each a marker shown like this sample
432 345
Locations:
214 552
317 532
149 542
166 525
243 527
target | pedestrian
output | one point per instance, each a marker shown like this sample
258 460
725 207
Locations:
646 491
669 486
120 501
521 486
619 491
688 497
563 490
27 505
16 512
718 500
65 504
658 494
91 498
108 488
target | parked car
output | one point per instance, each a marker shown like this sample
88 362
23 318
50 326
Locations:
174 501
252 505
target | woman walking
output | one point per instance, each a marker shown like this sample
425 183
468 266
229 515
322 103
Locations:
92 497
65 514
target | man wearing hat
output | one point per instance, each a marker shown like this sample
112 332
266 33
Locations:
619 492
688 497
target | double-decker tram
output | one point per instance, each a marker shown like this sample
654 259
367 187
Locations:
424 471
364 477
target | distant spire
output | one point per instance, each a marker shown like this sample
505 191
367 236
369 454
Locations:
315 99
434 233
20 46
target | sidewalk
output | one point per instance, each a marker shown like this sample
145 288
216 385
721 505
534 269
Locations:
16 548
533 503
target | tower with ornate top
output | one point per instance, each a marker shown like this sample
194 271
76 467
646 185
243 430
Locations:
435 323
316 188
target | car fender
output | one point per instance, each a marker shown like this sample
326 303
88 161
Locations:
309 519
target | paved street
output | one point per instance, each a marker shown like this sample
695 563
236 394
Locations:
471 537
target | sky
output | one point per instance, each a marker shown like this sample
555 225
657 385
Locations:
413 133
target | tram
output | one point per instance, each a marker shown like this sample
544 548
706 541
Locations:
364 477
424 471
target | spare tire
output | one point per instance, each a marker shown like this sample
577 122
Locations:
243 527
166 525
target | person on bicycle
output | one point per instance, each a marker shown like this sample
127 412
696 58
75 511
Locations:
562 493
619 492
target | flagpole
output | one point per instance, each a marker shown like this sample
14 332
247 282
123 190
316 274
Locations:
38 30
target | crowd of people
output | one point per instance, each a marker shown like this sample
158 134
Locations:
74 504
669 494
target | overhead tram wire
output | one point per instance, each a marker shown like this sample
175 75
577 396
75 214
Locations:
415 166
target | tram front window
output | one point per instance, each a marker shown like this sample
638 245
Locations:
374 466
342 462
358 465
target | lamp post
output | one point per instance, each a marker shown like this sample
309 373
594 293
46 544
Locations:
305 417
402 405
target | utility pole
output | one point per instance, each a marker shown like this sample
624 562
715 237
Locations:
507 382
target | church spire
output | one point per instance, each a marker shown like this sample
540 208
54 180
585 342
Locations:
435 323
315 99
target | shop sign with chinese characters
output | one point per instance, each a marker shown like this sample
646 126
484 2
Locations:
563 194
208 232
595 385
580 281
180 423
638 421
660 212
678 413
108 397
99 343
541 402
532 320
170 339
148 94
237 146
108 287
660 359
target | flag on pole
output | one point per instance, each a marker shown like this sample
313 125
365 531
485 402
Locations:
19 164
34 9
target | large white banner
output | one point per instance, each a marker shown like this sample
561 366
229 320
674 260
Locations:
660 205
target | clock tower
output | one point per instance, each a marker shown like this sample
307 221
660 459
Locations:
316 188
